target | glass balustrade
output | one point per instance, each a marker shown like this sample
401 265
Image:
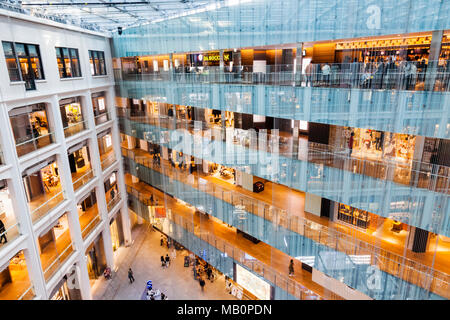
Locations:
102 118
221 254
409 112
412 173
55 262
107 160
11 232
31 143
408 204
222 204
75 128
374 75
39 208
82 180
112 203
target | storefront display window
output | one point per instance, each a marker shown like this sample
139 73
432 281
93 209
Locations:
353 216
367 143
399 147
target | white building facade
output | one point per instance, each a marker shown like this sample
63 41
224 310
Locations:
63 199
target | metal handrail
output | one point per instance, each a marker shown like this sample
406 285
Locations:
36 138
113 202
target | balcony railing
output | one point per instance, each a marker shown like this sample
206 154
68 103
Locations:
409 270
102 118
85 178
395 76
74 128
28 294
48 205
58 261
108 161
29 143
11 232
269 273
413 173
90 226
112 203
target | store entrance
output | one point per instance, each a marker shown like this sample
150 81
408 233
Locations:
96 259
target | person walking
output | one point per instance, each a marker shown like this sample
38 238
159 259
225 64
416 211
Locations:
167 260
291 268
163 263
130 275
173 254
161 241
202 283
2 232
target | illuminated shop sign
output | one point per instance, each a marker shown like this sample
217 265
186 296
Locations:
216 57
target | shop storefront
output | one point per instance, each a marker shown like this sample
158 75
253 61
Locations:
14 279
218 171
41 179
96 259
29 123
99 106
79 159
116 230
367 143
71 115
104 142
354 216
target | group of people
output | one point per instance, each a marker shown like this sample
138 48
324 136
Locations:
376 73
200 272
165 261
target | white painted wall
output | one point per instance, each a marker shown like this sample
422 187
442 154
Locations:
313 203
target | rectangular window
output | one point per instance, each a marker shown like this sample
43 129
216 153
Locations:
23 61
68 62
11 61
97 62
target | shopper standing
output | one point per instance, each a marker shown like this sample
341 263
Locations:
291 268
130 275
350 144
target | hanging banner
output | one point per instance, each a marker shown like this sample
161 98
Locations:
160 212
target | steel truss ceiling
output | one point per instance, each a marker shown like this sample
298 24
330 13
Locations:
108 15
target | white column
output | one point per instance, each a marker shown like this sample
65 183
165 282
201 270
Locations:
72 215
100 188
126 224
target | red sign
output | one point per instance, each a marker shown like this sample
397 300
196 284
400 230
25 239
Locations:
160 212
